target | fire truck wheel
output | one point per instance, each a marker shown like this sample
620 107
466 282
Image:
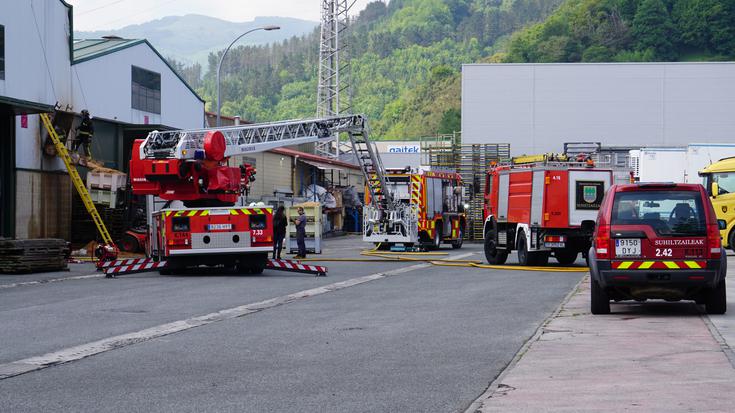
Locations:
524 257
259 264
437 243
457 244
731 239
565 257
492 254
540 258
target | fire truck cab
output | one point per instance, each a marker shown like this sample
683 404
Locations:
540 209
437 209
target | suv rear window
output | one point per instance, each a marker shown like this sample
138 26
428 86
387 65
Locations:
669 213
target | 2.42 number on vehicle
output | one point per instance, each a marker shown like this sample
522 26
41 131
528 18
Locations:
664 252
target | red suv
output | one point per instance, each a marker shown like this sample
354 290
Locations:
657 241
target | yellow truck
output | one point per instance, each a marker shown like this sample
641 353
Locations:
719 179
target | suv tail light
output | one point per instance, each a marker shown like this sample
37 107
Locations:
602 242
714 242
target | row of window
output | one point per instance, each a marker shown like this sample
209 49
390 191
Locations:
146 90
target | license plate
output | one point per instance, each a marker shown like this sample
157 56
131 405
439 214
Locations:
627 247
219 227
554 244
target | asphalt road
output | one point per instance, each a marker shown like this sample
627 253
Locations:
412 337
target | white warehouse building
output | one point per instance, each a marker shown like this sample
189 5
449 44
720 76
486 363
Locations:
125 84
130 90
538 107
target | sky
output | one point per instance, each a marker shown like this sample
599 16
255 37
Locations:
113 14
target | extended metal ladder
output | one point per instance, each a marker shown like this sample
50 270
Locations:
77 180
243 139
372 167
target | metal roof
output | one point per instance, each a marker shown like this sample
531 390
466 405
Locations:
88 49
93 48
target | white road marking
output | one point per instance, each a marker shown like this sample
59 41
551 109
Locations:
52 280
75 353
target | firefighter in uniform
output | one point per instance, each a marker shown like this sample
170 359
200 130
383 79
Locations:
85 131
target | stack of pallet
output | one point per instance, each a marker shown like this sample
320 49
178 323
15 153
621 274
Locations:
33 255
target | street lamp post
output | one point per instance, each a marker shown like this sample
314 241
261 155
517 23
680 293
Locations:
219 65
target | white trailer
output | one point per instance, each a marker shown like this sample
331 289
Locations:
678 164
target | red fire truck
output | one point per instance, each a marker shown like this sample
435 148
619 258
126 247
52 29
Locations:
542 207
192 166
437 209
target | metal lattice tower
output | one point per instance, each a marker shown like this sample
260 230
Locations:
333 69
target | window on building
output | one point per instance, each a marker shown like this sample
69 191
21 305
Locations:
2 52
146 90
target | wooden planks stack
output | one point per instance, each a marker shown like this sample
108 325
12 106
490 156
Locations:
33 255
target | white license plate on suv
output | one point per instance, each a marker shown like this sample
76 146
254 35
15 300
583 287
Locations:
628 247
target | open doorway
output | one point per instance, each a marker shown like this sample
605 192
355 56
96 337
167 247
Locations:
7 174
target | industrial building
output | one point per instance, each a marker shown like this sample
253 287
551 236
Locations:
125 84
35 75
539 107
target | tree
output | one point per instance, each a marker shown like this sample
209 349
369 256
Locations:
653 29
451 121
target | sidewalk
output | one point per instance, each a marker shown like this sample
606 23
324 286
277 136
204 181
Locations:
657 357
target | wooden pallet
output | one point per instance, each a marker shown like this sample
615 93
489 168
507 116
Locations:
33 255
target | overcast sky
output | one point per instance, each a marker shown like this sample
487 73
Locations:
113 14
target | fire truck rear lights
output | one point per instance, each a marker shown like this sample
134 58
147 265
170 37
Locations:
555 241
180 224
258 221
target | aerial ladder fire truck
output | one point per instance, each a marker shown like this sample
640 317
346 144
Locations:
191 166
541 205
436 210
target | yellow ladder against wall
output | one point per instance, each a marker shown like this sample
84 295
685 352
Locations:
77 180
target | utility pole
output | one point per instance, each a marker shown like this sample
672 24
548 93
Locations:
333 88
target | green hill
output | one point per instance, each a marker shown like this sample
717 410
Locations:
181 37
407 55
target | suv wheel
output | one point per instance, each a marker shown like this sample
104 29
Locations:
599 299
716 302
493 255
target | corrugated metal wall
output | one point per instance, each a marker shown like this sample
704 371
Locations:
43 205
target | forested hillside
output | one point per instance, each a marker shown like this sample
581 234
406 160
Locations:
630 30
398 49
406 55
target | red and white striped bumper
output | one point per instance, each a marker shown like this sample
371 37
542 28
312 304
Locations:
141 266
295 266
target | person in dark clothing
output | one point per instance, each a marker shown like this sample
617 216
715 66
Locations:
85 131
300 223
279 232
